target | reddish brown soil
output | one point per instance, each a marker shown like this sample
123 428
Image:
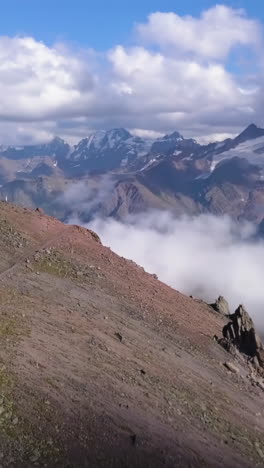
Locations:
105 366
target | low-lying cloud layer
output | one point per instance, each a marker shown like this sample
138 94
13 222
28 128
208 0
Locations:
205 256
200 75
84 198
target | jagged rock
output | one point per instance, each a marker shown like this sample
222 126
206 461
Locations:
221 306
240 333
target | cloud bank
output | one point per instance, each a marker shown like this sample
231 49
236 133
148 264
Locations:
211 36
86 197
200 75
204 256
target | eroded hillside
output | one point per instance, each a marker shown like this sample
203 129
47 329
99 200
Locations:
102 365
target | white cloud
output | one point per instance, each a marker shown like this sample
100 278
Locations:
213 137
148 134
183 83
82 198
212 36
204 256
168 85
38 82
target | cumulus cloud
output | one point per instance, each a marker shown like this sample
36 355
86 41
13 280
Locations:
204 256
170 86
212 36
38 82
177 75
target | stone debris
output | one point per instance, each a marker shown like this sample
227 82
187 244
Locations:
256 380
119 336
231 367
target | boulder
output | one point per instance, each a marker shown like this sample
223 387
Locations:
221 306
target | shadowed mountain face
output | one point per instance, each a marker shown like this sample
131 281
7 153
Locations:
169 173
104 365
250 133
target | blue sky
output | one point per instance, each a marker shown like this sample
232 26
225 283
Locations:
99 24
71 67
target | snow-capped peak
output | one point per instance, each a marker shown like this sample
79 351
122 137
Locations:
107 138
176 136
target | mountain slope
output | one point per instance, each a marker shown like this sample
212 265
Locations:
103 365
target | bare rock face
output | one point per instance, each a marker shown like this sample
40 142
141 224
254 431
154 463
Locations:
221 306
240 333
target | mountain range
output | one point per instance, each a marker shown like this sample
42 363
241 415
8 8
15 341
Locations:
170 172
102 364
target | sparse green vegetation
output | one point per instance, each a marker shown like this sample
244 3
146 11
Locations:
12 322
8 328
216 420
52 382
21 439
55 263
10 237
5 381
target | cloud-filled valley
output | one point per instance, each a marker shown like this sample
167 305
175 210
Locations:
204 256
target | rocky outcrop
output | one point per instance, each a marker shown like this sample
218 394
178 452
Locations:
40 211
240 334
221 306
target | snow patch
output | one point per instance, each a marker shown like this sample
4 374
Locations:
248 150
148 164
